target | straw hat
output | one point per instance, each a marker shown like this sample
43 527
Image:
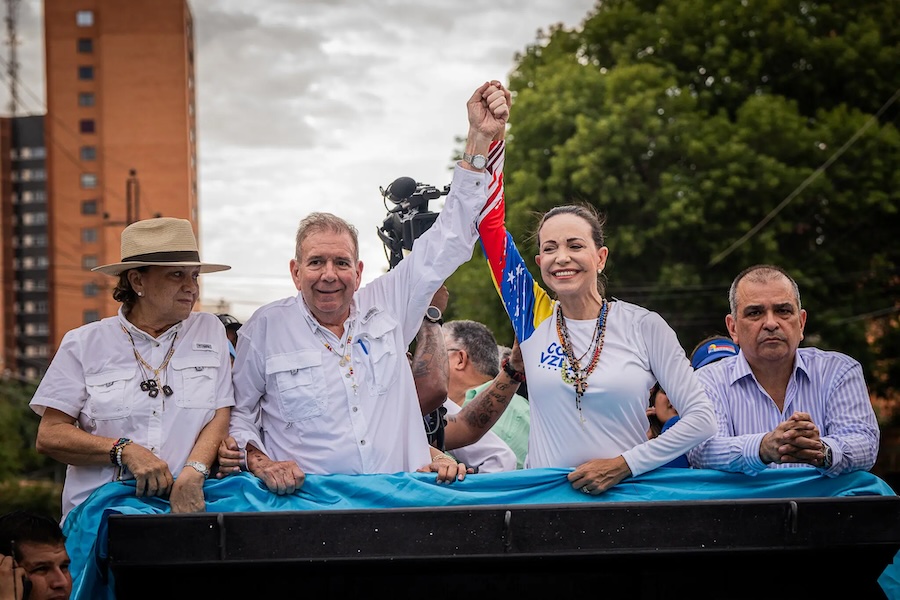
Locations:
159 242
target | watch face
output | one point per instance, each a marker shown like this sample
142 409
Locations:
479 161
433 314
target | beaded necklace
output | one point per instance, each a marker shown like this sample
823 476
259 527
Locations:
152 385
571 371
346 358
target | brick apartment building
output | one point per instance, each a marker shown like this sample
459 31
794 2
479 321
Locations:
118 144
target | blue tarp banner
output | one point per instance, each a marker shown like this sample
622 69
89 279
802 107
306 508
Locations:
85 526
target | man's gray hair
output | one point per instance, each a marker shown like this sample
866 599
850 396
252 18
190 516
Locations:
760 274
317 222
479 343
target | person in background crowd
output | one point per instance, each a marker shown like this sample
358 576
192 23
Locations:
429 362
661 414
589 361
711 349
232 325
474 362
34 563
325 371
777 404
146 394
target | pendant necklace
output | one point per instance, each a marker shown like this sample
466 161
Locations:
572 371
152 385
344 356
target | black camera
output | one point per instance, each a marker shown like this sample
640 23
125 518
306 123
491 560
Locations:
408 218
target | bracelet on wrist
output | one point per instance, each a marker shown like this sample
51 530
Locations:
511 371
444 456
115 453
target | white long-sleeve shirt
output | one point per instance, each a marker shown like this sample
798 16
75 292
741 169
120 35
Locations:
295 401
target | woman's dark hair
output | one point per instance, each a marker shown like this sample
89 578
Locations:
593 217
124 293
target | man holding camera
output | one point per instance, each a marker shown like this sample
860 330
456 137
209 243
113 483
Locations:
322 382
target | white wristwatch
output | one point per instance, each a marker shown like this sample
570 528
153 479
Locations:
477 160
199 467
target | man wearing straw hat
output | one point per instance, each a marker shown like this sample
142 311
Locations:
146 394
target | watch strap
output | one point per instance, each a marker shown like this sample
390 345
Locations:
199 467
476 160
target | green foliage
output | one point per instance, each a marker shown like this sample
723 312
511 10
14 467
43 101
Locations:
18 429
715 135
37 496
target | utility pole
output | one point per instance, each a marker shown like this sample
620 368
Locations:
132 197
12 66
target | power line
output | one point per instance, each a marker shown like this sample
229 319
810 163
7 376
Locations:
806 182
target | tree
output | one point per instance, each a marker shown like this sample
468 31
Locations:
715 135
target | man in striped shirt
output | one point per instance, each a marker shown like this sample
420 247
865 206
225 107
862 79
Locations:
779 405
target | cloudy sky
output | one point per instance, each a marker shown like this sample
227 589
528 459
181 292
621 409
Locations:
313 105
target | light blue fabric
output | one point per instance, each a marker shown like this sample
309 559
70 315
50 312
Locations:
85 527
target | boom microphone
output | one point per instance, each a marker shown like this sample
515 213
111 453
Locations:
400 189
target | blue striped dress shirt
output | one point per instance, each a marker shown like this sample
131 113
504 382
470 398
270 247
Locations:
830 386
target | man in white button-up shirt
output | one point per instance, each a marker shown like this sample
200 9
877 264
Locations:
322 382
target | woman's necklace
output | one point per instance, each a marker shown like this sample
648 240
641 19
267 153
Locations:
152 385
346 360
571 371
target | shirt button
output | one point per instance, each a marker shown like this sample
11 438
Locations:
355 408
362 442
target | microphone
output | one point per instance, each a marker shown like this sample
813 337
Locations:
400 189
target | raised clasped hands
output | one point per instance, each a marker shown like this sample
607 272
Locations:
796 440
488 110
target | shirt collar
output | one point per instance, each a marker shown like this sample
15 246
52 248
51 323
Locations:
136 332
742 368
314 323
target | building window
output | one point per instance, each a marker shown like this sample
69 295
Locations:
89 207
84 18
34 218
85 45
86 126
91 315
90 289
88 153
85 72
85 99
88 235
89 261
88 181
